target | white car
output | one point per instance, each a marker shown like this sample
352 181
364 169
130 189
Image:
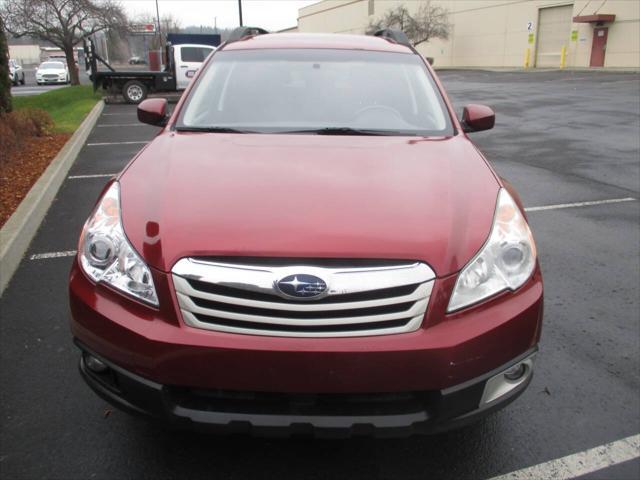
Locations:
16 73
52 72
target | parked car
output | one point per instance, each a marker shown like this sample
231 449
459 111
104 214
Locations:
16 73
137 61
311 245
52 72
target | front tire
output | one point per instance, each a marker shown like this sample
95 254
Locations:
134 91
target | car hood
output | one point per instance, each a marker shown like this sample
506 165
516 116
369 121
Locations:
310 196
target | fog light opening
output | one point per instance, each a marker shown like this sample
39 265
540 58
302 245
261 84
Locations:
507 381
95 364
516 372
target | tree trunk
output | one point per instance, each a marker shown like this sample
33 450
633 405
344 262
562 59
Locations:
5 83
71 63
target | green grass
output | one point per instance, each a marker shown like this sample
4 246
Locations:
67 106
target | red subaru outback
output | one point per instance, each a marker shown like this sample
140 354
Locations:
311 245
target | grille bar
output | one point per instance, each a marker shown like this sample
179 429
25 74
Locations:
241 298
269 297
356 312
188 305
249 328
355 327
278 303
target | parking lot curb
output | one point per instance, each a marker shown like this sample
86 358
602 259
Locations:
17 233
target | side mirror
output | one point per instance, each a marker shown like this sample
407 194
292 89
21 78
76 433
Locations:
476 118
153 111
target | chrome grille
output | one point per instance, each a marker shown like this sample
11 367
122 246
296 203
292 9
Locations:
359 301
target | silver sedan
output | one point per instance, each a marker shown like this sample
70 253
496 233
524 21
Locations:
16 73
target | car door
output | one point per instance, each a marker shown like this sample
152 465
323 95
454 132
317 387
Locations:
188 59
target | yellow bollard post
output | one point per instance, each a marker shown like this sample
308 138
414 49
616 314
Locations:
563 56
527 57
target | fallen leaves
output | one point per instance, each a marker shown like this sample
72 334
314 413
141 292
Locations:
22 169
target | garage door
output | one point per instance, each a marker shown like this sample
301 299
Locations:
554 29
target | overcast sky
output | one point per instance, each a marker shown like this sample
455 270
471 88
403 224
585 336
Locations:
269 14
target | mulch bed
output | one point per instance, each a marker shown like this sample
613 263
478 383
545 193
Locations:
22 169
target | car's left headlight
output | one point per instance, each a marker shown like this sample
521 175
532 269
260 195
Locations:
505 262
107 256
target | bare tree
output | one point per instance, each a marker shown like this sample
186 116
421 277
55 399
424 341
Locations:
64 23
169 24
427 22
5 83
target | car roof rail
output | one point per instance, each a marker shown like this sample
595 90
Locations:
243 32
398 36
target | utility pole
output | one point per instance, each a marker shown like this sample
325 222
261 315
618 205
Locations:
239 10
158 17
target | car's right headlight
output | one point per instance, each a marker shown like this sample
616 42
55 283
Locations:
107 256
505 262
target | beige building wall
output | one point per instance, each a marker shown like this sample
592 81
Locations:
25 54
498 33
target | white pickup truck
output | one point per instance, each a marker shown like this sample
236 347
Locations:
183 62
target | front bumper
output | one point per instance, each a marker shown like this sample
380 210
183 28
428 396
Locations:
54 81
169 370
321 416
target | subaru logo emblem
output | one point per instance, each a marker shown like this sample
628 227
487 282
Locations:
301 285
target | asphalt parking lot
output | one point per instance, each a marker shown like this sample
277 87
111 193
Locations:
561 138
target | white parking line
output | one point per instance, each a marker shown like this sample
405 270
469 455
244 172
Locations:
578 204
100 175
123 125
100 144
580 463
44 256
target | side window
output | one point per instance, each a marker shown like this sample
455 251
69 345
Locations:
194 54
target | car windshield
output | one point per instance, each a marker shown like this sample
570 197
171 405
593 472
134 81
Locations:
314 90
52 66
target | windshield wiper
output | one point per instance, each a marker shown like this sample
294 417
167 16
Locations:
342 131
213 130
316 131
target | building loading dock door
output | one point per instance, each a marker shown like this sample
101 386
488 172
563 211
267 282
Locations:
554 29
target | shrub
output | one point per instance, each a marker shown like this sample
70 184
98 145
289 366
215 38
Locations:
29 122
41 120
21 125
8 140
18 126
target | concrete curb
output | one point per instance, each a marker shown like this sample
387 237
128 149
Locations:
17 233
